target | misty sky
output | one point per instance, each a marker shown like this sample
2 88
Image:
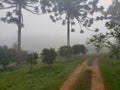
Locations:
40 32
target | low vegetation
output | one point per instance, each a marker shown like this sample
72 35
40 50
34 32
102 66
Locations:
40 77
111 73
32 59
84 81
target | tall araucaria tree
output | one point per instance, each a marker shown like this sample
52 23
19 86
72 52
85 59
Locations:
113 12
72 11
15 15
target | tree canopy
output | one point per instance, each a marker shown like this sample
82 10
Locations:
72 11
48 56
65 51
78 49
32 58
98 41
113 12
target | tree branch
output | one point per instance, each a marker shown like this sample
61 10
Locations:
32 11
83 25
7 7
7 2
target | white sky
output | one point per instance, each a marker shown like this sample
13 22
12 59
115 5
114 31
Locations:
40 32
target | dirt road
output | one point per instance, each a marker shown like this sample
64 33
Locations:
96 79
68 84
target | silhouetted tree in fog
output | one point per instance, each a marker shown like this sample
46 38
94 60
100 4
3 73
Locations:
48 56
98 41
72 11
15 15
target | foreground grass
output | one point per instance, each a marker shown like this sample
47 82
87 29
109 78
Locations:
111 73
84 81
40 77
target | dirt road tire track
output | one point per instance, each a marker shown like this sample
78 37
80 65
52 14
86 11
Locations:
97 82
69 82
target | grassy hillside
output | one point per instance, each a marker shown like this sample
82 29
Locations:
40 77
111 73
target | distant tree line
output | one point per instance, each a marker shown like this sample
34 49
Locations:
75 50
8 56
65 10
49 55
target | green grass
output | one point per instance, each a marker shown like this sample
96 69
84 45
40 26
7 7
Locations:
84 81
111 73
40 77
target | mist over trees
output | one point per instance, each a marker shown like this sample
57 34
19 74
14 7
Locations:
66 10
14 15
70 13
98 41
8 56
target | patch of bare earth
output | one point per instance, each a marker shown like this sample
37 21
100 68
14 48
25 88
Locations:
97 80
68 84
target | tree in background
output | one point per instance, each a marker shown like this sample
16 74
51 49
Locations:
114 33
15 15
114 49
48 56
113 12
65 51
83 49
98 41
8 56
78 49
32 59
114 30
71 11
4 57
113 15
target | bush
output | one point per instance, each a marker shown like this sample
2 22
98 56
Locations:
32 59
48 56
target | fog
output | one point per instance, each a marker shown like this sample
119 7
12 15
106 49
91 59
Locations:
40 32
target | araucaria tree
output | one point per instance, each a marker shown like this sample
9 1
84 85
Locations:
72 11
15 15
113 15
113 12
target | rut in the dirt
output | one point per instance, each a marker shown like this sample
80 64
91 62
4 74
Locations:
96 79
68 84
97 82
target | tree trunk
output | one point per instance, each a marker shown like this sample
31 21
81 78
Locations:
68 30
19 33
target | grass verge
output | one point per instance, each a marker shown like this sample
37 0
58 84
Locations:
40 77
111 73
84 81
